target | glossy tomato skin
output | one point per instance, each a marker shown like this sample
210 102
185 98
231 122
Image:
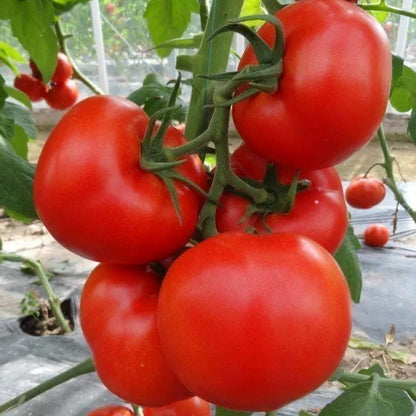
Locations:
326 107
319 212
63 69
31 86
111 411
365 192
376 235
189 407
94 198
63 95
245 329
118 310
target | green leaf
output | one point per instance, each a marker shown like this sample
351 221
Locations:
403 91
220 411
347 259
61 6
18 96
20 141
168 19
252 7
397 66
411 127
3 93
374 369
182 43
365 400
16 186
9 55
6 127
21 117
5 9
303 413
363 344
32 22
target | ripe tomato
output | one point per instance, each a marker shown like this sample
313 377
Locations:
242 318
63 69
31 86
365 192
111 411
326 106
94 198
63 95
189 407
376 235
118 309
319 212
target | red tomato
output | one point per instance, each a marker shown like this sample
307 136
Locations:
365 192
118 311
63 69
319 212
376 235
253 322
189 407
63 95
31 86
326 106
111 411
94 198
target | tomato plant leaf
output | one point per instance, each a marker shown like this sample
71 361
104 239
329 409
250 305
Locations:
374 369
32 22
221 411
252 7
21 117
18 96
61 6
347 259
397 69
16 186
364 399
403 90
9 55
168 19
411 127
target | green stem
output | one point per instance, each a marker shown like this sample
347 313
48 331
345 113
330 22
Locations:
390 181
84 367
77 72
383 7
53 300
203 63
271 413
203 13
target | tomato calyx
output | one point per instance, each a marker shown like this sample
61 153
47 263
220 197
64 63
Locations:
254 78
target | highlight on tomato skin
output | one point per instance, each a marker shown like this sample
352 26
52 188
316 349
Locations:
193 406
111 410
365 192
376 235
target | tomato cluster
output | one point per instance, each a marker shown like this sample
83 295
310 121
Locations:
238 317
60 93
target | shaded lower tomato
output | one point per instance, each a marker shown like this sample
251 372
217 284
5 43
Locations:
189 407
319 212
118 311
62 95
252 322
111 411
31 86
376 235
95 199
365 192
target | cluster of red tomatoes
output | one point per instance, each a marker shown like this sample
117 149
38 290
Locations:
246 321
60 93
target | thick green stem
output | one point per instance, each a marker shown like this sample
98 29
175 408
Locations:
390 181
54 302
84 367
203 63
203 13
76 71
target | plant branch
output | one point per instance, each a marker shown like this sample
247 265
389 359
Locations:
77 72
390 181
383 7
84 367
53 300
